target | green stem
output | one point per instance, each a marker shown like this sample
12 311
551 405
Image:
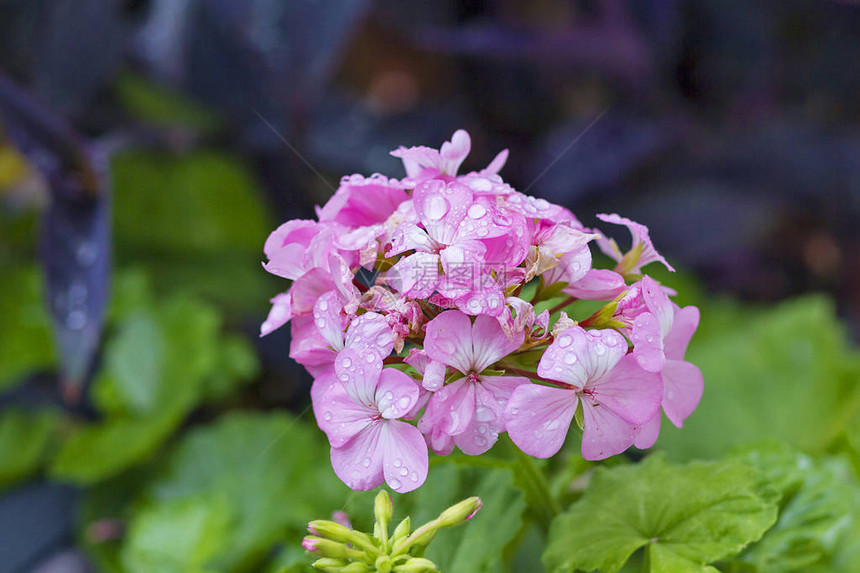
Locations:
568 301
536 488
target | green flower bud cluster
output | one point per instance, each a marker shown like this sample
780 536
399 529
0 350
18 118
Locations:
343 550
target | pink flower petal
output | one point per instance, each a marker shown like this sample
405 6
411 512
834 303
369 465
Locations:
639 233
597 284
658 304
491 396
370 332
329 320
358 463
408 237
361 201
604 432
415 275
405 458
396 394
537 418
279 315
647 342
646 434
448 340
359 374
442 207
452 153
683 386
339 416
490 343
450 410
684 326
578 356
629 391
496 164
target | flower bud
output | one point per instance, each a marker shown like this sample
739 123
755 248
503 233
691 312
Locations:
329 548
459 513
329 564
355 567
383 564
417 565
337 532
383 508
403 529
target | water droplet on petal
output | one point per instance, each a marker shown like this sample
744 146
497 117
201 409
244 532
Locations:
398 462
395 484
86 253
366 462
320 322
346 362
569 359
435 207
403 402
370 357
564 341
327 416
477 211
515 411
600 349
414 476
344 377
323 305
404 471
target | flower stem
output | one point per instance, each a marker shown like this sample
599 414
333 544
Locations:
536 488
562 304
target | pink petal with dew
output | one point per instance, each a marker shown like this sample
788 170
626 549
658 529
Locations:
434 375
448 340
359 374
329 320
629 391
441 208
415 159
288 262
658 304
683 386
408 237
279 315
340 416
597 284
462 264
684 326
490 343
405 458
358 463
538 418
414 275
578 356
450 410
396 394
639 233
491 396
307 346
437 440
646 434
572 267
488 299
370 332
604 432
647 342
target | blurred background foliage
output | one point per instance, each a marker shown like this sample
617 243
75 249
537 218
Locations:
147 147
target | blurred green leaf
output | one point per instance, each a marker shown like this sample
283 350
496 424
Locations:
155 371
819 504
237 364
685 516
181 536
273 471
196 222
161 106
786 373
26 343
26 437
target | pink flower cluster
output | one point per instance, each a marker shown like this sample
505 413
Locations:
458 336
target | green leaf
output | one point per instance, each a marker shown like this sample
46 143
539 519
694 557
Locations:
195 222
686 516
819 504
98 451
26 343
237 365
161 107
25 440
273 471
179 536
784 374
155 371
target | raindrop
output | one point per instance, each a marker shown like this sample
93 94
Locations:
403 402
323 305
77 293
569 358
484 414
346 362
564 341
600 349
398 462
76 320
414 476
366 462
320 322
404 471
480 441
395 484
477 211
86 253
515 411
370 357
327 416
436 207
